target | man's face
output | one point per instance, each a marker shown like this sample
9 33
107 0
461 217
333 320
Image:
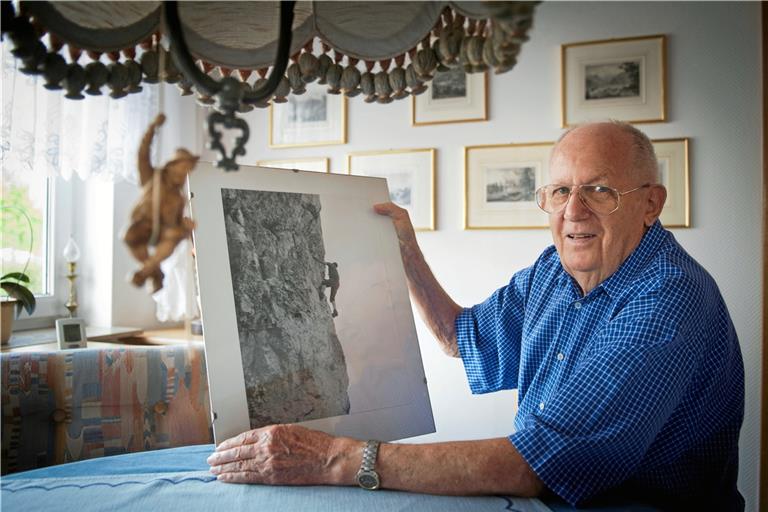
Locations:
592 246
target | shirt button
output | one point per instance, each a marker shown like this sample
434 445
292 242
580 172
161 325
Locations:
560 356
577 305
541 406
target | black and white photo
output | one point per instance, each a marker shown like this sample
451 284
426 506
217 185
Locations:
612 80
510 184
293 362
449 84
314 118
310 107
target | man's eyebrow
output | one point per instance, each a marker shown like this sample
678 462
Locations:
597 180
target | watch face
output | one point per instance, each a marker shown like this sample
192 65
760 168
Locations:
368 480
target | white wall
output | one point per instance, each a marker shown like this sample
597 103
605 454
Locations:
713 98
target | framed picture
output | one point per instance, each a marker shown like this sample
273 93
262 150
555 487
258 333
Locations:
674 175
302 164
410 175
314 118
305 305
621 79
453 96
500 182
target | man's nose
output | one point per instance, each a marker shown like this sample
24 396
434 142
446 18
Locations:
575 209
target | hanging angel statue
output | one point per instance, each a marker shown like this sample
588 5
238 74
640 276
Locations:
158 218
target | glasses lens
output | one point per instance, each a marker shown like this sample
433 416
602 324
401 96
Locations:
552 198
600 199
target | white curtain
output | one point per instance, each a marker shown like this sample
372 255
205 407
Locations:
44 132
93 138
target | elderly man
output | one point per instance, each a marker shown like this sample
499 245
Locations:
627 365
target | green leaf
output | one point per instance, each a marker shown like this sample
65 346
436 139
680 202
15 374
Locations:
26 300
18 276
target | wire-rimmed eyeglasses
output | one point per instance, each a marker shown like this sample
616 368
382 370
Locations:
599 199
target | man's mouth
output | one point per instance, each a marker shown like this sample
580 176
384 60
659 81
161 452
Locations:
580 236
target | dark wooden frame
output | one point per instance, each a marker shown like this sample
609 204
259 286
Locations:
763 469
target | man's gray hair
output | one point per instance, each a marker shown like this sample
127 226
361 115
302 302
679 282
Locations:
644 156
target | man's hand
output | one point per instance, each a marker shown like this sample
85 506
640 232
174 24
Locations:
284 455
400 220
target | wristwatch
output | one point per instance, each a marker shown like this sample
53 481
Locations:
367 477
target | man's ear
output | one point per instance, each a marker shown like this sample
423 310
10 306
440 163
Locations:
657 195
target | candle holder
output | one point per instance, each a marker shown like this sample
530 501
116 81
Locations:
71 255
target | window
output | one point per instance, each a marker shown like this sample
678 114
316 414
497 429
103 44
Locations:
32 199
26 208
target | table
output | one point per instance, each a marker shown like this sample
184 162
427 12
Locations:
177 479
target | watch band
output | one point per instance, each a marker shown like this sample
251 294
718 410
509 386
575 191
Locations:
370 452
367 477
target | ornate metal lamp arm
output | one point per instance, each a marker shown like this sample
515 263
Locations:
228 91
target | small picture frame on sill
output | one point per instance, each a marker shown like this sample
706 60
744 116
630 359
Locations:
410 175
674 174
302 164
314 118
453 96
622 79
500 182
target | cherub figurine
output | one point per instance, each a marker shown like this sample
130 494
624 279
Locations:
172 227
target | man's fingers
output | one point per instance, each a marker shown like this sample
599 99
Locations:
389 208
233 454
237 466
240 477
247 437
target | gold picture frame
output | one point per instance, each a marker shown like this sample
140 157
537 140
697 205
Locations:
319 164
410 175
314 118
622 79
462 102
499 185
674 174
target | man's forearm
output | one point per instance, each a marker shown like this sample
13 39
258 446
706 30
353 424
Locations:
491 466
435 306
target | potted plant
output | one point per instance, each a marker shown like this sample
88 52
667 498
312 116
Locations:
20 297
16 286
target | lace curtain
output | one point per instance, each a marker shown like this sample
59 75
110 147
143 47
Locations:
93 138
44 132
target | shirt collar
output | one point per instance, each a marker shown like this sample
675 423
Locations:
636 262
649 245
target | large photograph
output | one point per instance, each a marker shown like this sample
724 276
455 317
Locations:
305 308
293 362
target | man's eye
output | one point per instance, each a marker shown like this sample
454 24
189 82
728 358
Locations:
561 191
601 189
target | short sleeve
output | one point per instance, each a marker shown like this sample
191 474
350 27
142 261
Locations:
594 431
489 336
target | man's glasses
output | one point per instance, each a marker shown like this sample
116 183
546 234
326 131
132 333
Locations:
600 199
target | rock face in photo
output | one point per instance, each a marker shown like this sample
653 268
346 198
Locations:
293 363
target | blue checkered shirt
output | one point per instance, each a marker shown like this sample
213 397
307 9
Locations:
634 390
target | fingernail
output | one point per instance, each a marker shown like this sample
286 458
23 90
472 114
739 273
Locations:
215 470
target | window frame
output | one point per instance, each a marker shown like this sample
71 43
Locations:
59 228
